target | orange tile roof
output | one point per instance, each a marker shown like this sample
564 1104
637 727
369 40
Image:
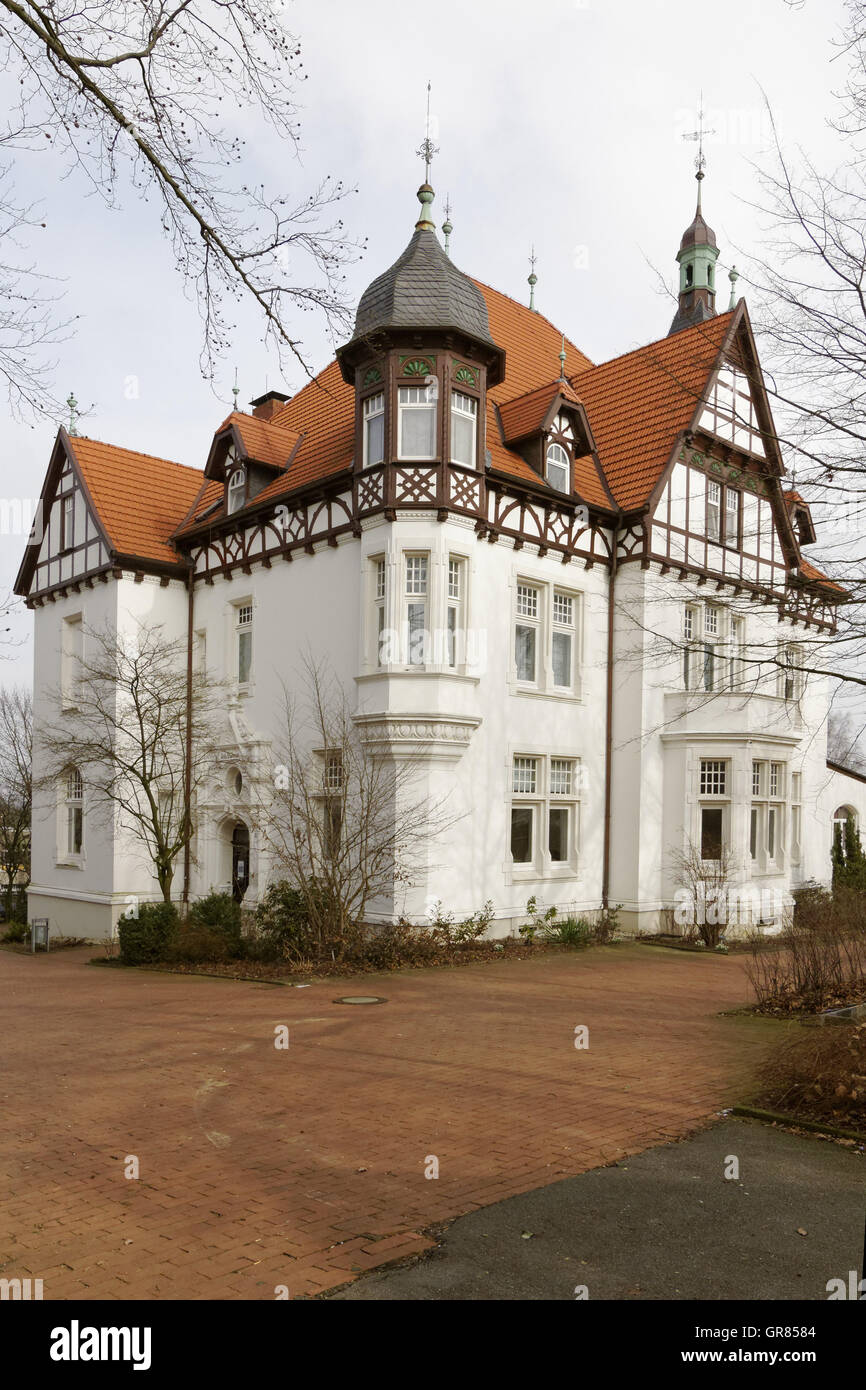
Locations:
638 403
265 441
525 415
138 498
810 571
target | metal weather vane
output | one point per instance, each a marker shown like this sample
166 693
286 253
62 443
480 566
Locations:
427 149
700 157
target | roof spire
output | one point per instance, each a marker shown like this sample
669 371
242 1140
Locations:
700 158
562 360
533 279
73 413
236 390
698 251
447 227
426 150
733 276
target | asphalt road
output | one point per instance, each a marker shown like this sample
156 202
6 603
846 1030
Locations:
667 1224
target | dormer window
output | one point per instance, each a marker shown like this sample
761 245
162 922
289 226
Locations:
417 426
558 468
374 429
237 490
464 421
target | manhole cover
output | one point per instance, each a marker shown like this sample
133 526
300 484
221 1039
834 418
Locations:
360 999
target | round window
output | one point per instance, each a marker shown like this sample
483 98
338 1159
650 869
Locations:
234 782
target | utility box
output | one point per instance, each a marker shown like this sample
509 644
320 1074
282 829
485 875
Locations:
39 934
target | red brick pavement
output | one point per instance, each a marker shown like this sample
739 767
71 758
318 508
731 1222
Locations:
262 1167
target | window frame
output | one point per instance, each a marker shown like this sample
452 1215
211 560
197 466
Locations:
406 406
554 789
462 413
368 416
243 628
415 598
233 505
566 466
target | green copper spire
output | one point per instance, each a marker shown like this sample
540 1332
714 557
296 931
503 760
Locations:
733 276
698 253
447 227
533 279
425 193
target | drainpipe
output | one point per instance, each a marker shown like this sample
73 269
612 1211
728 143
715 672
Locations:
608 733
187 771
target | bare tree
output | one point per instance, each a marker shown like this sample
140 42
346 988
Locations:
810 299
347 825
707 884
141 750
844 741
154 85
16 750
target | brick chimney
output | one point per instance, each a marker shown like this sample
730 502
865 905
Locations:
266 406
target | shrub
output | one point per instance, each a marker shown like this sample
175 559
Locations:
217 913
193 942
537 922
821 955
282 923
606 924
447 932
394 944
569 931
16 931
820 1074
145 938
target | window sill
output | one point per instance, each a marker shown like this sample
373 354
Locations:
539 692
431 672
70 862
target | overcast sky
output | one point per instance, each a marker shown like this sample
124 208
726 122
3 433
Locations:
559 124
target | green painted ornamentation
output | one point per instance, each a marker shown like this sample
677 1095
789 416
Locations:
373 375
465 375
416 366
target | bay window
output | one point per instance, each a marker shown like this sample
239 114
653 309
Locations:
417 422
416 569
374 429
464 420
714 793
454 612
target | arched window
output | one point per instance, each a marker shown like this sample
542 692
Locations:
843 816
558 468
688 276
237 490
74 811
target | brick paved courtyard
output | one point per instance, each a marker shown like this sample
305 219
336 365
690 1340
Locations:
262 1167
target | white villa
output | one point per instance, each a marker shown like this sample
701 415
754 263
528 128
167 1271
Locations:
576 595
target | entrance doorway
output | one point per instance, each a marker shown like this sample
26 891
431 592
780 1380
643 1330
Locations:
240 861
